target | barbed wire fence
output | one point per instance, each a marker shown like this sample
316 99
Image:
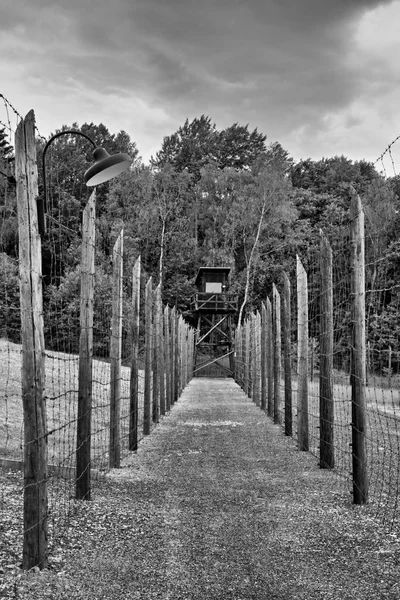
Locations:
322 358
11 432
101 361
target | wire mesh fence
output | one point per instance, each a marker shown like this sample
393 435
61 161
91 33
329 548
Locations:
97 356
302 368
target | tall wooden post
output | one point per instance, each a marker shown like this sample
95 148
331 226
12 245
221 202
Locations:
287 354
167 354
277 353
161 355
177 358
326 413
35 549
156 354
247 370
253 324
263 357
172 363
302 340
270 360
83 434
358 351
148 357
134 380
116 355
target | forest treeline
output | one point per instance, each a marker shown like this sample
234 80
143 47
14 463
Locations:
208 197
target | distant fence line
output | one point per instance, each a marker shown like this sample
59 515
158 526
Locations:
89 409
304 358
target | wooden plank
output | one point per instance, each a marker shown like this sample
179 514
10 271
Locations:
148 367
83 434
358 351
35 549
326 413
287 354
302 340
116 355
134 379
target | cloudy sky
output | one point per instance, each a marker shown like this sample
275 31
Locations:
319 76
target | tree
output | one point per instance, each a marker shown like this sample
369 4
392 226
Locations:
8 201
199 142
333 175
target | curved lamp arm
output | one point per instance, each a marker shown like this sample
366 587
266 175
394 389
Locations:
105 168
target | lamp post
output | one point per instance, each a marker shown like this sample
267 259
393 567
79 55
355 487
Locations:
105 167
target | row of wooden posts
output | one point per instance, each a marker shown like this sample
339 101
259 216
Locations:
263 342
168 357
168 353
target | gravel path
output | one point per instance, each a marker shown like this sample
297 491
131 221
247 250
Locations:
219 504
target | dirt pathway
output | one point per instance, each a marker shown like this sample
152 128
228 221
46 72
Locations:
219 504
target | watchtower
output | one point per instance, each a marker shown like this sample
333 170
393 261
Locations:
213 308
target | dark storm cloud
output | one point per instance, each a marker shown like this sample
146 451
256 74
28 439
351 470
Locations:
277 64
251 54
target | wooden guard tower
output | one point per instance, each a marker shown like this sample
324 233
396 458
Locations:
213 309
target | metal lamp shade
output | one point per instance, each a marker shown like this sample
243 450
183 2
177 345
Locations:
106 166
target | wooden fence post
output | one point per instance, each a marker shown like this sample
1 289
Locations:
161 356
253 364
326 413
115 355
83 434
258 359
358 351
270 360
172 341
263 356
277 352
247 357
167 352
156 354
134 380
148 357
287 354
302 340
177 358
35 549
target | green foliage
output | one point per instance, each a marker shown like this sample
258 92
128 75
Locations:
10 319
197 143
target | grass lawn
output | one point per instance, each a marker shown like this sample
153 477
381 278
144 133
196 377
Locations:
61 392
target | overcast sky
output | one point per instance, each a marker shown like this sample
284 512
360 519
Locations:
319 76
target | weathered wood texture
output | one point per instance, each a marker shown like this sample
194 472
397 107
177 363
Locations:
85 385
270 360
263 357
116 354
358 350
287 353
326 413
148 367
35 549
156 355
302 341
277 335
134 379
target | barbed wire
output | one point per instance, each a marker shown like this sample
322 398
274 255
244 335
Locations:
388 150
8 105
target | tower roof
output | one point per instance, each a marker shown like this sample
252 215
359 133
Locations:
215 270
